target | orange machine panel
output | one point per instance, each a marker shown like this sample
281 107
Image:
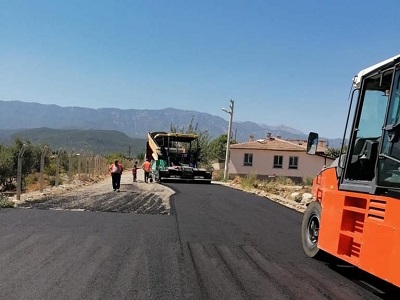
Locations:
360 228
378 249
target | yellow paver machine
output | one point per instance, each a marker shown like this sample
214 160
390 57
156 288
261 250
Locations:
175 156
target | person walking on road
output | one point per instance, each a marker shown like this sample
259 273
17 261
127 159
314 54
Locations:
146 167
134 171
116 172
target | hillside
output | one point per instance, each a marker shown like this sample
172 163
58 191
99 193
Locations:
97 141
134 123
6 136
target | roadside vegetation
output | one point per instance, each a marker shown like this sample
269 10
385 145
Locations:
9 162
59 166
335 152
281 186
5 202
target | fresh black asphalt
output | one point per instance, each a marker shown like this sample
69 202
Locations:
218 243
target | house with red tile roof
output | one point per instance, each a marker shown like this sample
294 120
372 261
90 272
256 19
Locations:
272 157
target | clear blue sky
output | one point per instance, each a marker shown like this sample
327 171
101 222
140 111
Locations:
283 62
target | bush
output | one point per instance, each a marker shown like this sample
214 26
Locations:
284 180
85 178
270 187
5 202
298 198
31 179
218 175
52 181
249 181
307 181
237 180
50 169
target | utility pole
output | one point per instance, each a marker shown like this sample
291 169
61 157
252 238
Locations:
129 152
228 142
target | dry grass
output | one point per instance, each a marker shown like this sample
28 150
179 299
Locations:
281 186
218 175
32 183
33 187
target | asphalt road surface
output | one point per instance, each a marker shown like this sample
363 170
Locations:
217 243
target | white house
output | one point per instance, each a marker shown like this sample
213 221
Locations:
275 157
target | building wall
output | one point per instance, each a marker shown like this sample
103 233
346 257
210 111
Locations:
263 163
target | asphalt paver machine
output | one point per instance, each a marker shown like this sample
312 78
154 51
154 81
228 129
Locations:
175 156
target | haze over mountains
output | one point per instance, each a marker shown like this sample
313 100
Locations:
134 123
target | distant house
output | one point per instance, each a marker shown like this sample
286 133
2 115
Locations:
275 157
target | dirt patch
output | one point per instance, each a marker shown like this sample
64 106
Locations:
134 197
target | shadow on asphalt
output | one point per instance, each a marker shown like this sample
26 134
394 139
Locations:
375 285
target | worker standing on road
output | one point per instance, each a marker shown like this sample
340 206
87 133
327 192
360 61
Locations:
134 171
146 167
116 172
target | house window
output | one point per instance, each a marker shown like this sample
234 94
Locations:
278 161
248 159
293 162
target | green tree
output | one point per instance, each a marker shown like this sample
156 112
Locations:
203 140
6 168
335 152
218 148
64 160
30 159
114 156
36 152
140 156
9 162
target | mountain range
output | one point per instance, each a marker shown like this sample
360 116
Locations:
17 115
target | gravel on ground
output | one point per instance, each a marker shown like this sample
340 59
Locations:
134 197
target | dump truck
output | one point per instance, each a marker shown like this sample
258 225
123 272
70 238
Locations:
175 156
355 214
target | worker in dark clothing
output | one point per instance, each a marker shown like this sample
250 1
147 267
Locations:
134 171
116 172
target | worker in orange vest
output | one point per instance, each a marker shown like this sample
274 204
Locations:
116 172
146 166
